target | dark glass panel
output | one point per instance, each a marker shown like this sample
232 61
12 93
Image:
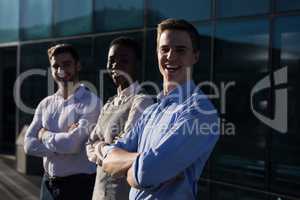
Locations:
203 190
73 17
241 60
285 5
118 14
8 57
34 86
191 10
285 146
9 20
230 8
202 70
227 192
151 72
36 19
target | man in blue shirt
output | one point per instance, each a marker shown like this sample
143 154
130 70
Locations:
60 129
164 154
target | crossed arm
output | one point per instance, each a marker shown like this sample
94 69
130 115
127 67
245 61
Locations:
41 142
94 147
119 163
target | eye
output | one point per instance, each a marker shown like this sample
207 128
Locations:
164 50
180 50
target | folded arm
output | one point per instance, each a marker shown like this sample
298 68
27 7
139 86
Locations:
182 146
71 142
32 145
118 161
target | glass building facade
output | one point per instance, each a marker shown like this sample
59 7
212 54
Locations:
242 42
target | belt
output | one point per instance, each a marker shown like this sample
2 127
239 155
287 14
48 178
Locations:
74 177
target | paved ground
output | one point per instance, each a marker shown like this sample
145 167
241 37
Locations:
16 186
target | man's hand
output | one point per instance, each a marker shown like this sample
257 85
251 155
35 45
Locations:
118 161
42 133
99 151
73 126
90 151
130 179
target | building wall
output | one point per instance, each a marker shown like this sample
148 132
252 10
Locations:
242 42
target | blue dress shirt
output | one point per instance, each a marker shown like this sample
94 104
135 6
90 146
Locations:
174 138
64 151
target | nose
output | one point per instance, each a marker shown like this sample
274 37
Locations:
171 55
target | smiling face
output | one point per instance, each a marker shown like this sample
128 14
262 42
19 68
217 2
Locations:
176 57
64 68
122 63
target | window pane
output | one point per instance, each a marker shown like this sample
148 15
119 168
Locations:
8 63
191 10
225 192
119 14
74 17
202 70
203 190
284 5
229 8
285 147
9 20
241 59
107 88
152 73
36 19
34 87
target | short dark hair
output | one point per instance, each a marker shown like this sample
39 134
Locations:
63 48
182 25
128 42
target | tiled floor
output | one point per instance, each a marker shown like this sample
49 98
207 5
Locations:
16 186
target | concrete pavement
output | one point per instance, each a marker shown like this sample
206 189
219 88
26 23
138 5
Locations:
16 186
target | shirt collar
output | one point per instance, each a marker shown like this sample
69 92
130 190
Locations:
79 90
178 94
134 88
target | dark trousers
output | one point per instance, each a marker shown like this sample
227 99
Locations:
74 187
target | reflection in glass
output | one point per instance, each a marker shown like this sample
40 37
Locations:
285 5
224 192
191 10
241 59
202 70
36 20
74 17
8 63
230 8
34 87
152 72
285 147
9 20
118 14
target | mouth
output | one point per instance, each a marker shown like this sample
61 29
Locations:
171 68
61 74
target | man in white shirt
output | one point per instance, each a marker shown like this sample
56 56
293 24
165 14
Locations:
60 129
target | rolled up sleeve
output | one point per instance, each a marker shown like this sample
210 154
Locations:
183 144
